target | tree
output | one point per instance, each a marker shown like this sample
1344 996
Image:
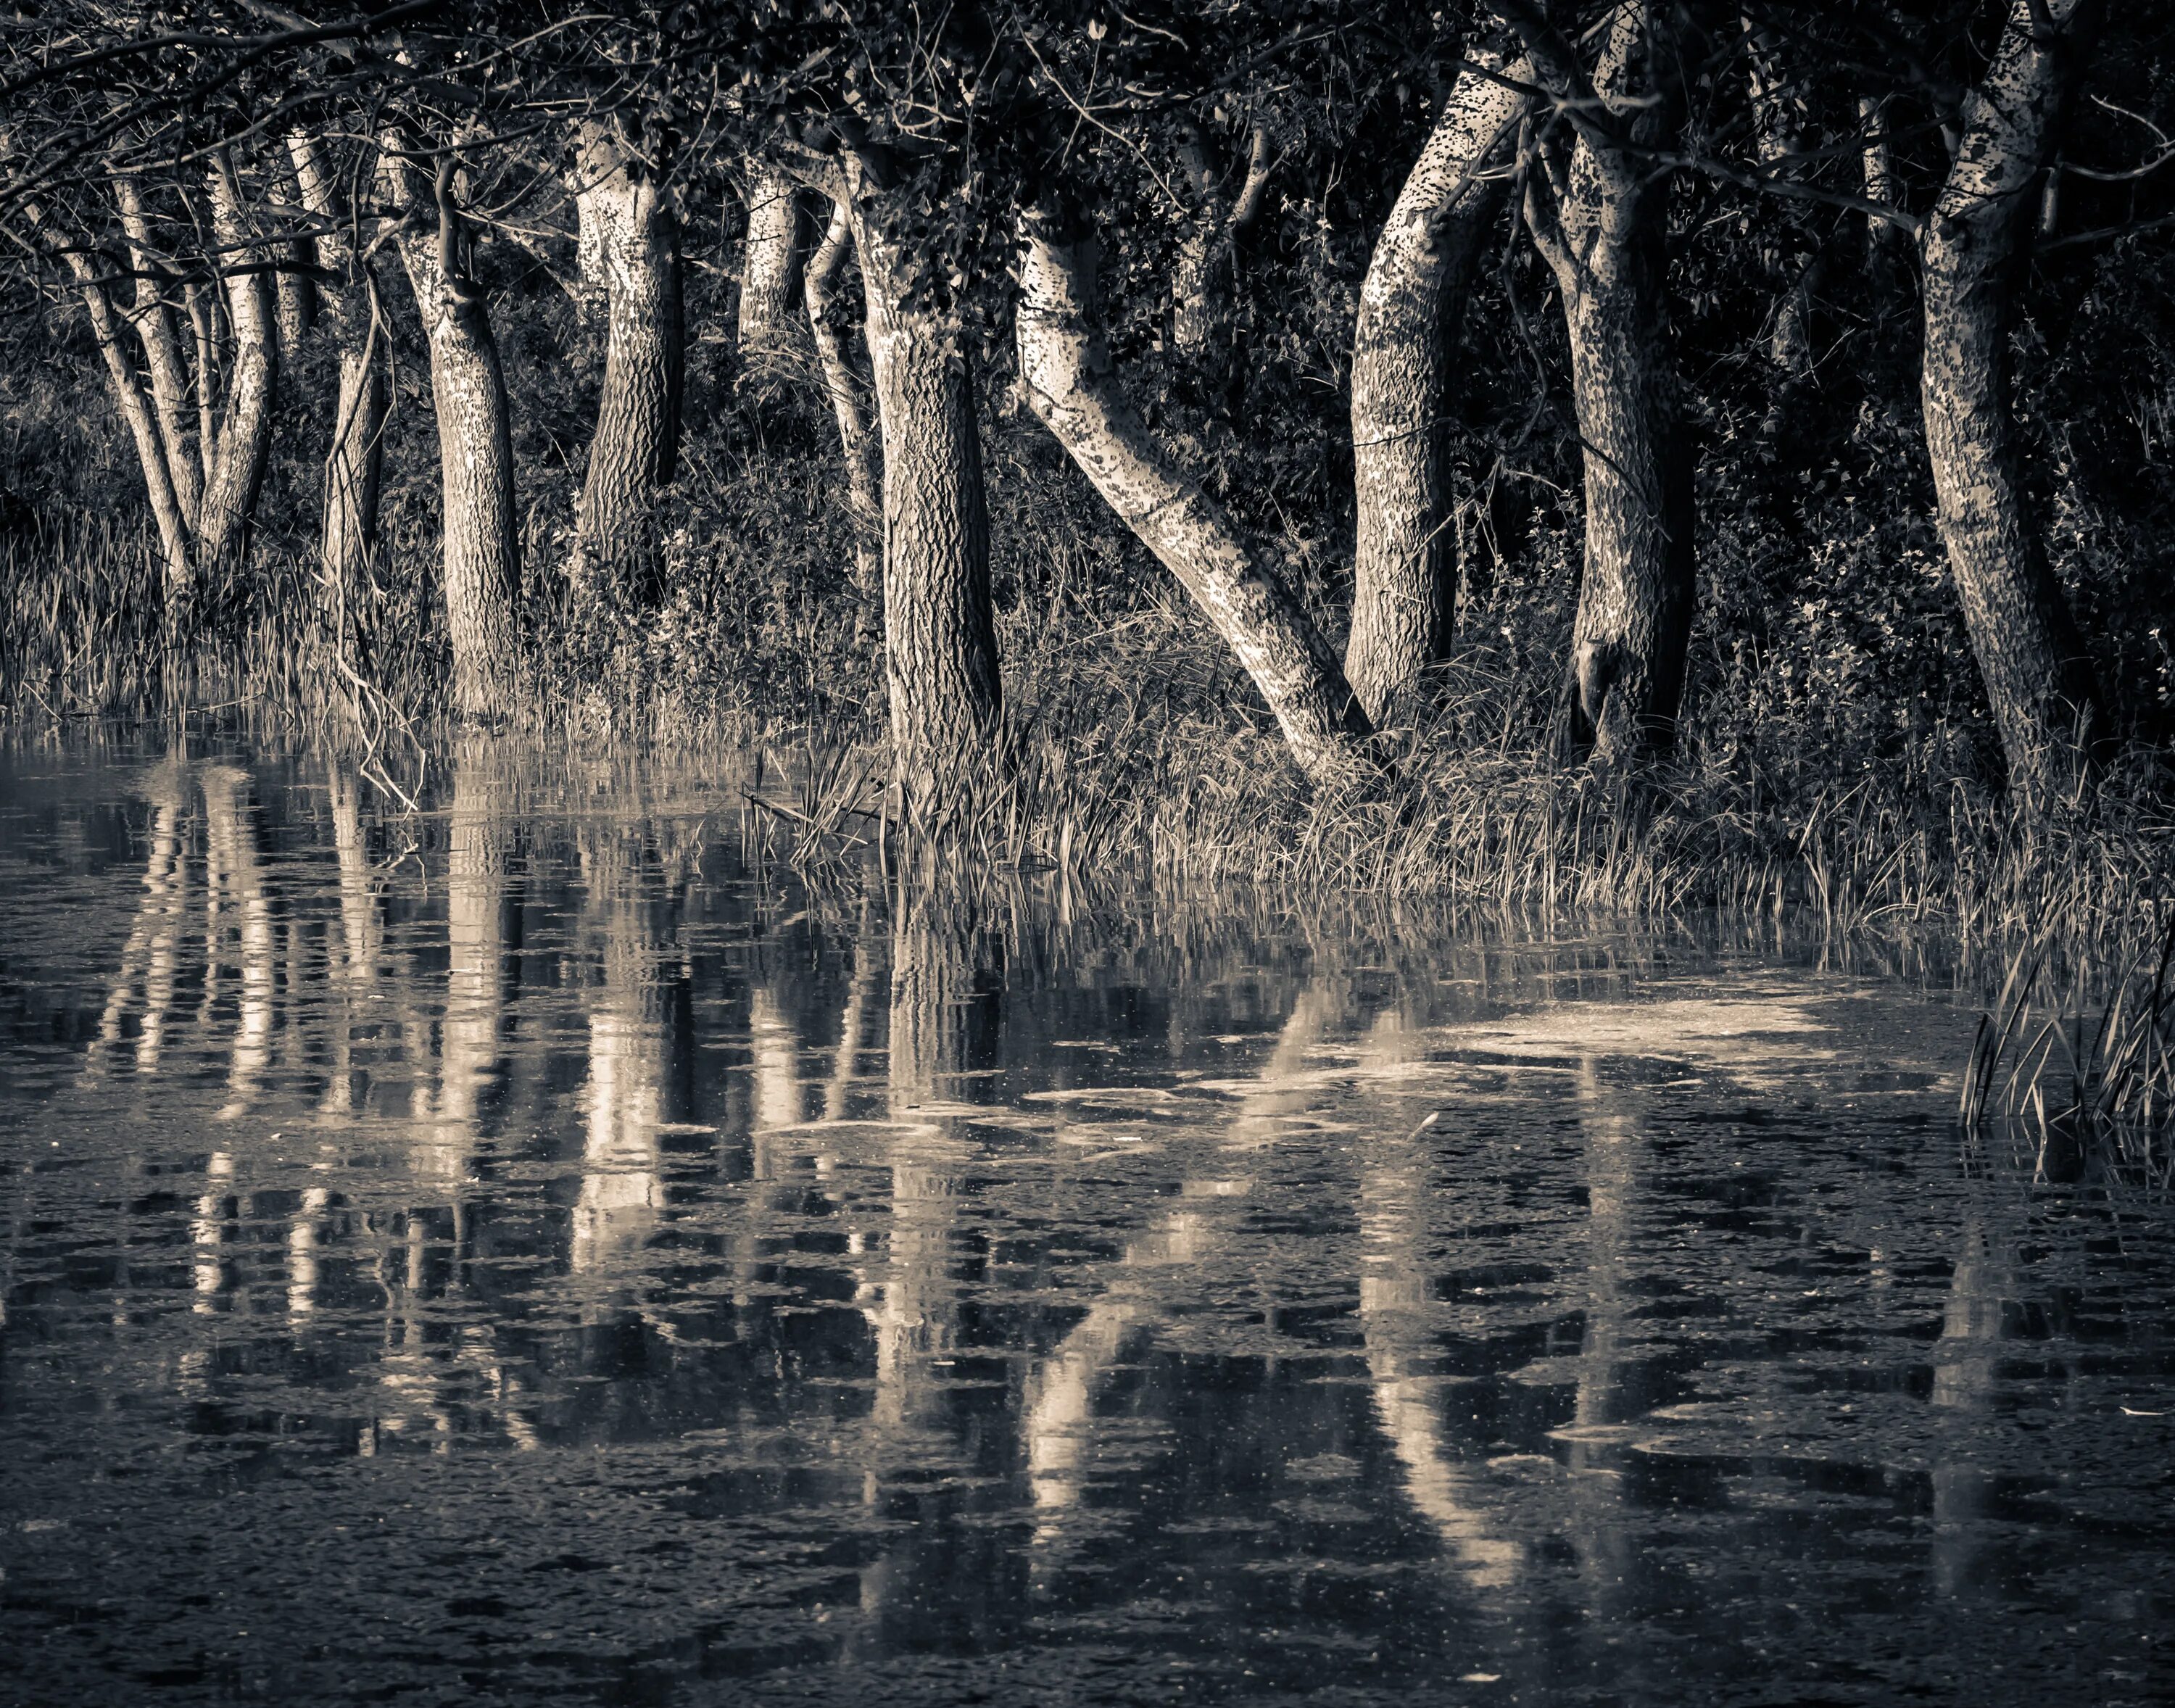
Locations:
1065 369
355 303
864 466
1404 354
481 551
940 634
636 234
2038 680
1596 205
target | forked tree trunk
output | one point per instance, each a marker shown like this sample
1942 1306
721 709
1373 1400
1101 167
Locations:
153 317
1599 216
863 469
2038 680
1066 370
939 637
482 561
354 462
770 283
244 435
136 414
1201 281
637 433
1404 356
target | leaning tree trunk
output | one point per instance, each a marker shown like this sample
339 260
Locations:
353 465
2045 699
637 433
482 550
770 285
136 414
940 637
1404 575
153 317
863 469
244 435
1600 217
1066 370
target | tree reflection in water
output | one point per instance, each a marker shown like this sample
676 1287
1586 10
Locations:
988 1270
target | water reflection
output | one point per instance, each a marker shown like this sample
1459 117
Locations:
665 1274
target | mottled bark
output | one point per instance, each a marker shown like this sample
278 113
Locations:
939 637
1404 355
864 468
1066 370
245 436
1201 281
2039 681
354 462
770 265
1599 214
481 551
637 434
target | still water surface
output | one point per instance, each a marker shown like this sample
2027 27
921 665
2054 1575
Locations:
536 1251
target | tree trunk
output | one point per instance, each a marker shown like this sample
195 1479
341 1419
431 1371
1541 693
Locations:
353 463
2046 702
1404 578
1775 96
1599 216
637 434
245 438
770 285
1201 283
1066 370
153 317
863 471
296 283
939 637
136 414
482 547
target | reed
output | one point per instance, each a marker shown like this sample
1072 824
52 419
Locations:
2081 1069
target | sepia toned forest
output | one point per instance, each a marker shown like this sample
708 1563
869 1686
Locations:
1645 454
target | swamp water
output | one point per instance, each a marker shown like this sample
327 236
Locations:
534 1251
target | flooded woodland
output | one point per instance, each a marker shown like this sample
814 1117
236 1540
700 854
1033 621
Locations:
1255 851
539 1247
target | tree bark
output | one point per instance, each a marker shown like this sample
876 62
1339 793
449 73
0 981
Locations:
1779 136
1599 214
353 463
940 637
1066 370
137 415
296 283
770 285
637 433
863 469
2038 680
245 436
1404 579
1201 283
482 561
153 317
